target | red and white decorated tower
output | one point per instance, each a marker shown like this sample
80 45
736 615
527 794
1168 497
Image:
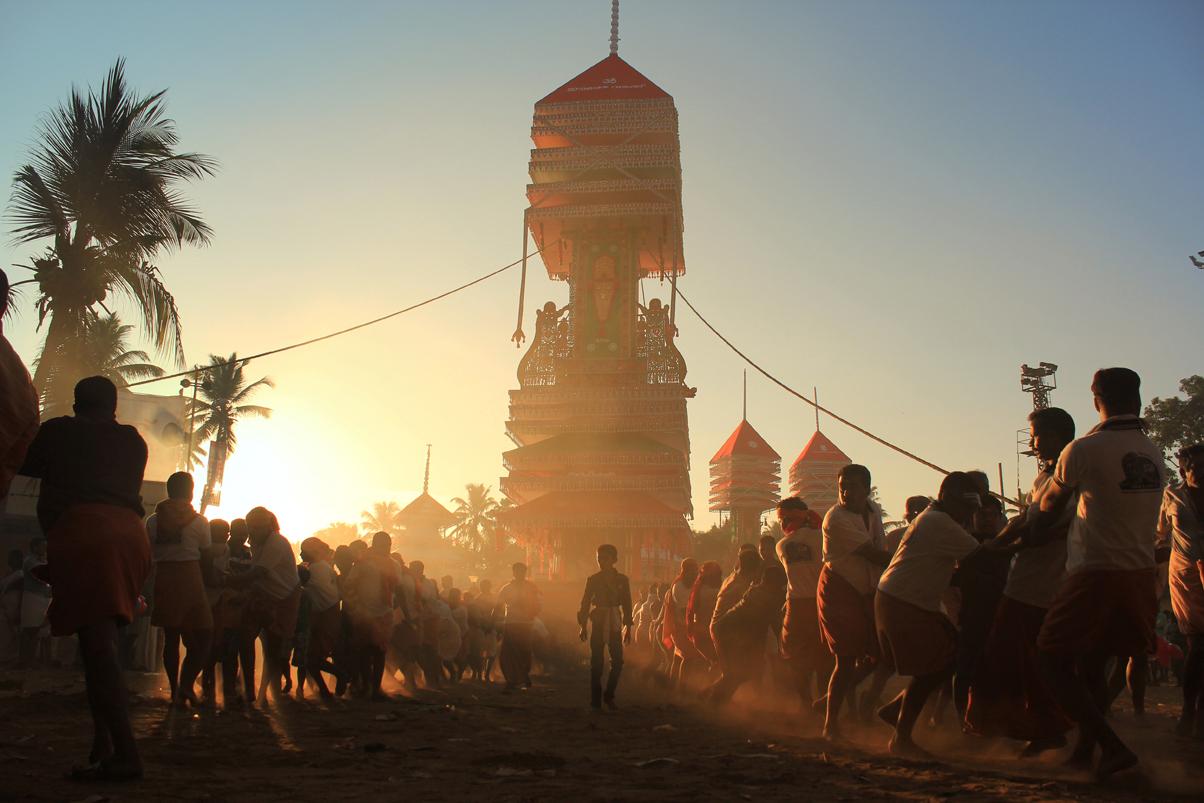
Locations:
599 417
813 475
745 480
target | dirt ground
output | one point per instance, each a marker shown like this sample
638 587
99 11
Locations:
473 742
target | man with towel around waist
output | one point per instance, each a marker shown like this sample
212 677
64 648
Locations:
916 638
854 554
1108 602
98 557
180 541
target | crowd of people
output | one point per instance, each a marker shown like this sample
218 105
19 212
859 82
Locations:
1011 624
224 594
356 613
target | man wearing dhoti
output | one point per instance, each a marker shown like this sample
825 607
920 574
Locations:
98 556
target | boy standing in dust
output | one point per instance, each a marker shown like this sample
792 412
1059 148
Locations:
607 605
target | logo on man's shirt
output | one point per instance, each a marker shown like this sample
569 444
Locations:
795 551
1141 474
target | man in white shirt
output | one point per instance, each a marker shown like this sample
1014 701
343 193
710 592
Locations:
801 554
1010 695
1108 602
917 638
275 597
518 603
324 622
854 554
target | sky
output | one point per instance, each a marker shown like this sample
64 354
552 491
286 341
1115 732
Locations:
897 203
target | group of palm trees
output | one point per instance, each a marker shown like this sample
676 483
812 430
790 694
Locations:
102 192
477 533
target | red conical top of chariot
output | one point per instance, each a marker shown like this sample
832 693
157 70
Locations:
607 154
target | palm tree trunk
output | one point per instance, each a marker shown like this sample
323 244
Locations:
52 393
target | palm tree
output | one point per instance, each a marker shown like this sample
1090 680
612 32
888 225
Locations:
338 533
103 349
384 517
222 396
193 450
476 518
102 186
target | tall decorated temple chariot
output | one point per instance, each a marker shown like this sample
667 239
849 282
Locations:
599 417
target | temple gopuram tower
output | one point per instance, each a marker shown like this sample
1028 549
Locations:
599 417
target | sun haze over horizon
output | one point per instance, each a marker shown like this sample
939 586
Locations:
896 203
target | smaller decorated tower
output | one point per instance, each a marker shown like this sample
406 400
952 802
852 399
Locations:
813 475
745 479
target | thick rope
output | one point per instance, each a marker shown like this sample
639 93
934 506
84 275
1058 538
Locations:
816 405
349 329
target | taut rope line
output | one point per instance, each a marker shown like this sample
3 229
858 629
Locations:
349 329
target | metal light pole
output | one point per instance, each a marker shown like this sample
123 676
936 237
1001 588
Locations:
186 383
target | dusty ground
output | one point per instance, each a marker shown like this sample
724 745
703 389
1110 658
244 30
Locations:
474 742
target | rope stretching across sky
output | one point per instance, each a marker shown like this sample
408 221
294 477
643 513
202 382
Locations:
757 367
349 329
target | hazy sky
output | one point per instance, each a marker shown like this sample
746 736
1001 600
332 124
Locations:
899 202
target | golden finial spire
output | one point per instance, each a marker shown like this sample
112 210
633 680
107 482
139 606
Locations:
614 27
426 477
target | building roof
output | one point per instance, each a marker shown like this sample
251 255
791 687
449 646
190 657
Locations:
426 508
746 442
609 79
821 450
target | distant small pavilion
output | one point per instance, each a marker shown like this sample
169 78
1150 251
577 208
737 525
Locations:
425 518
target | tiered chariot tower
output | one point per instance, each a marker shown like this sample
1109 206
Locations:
745 481
599 417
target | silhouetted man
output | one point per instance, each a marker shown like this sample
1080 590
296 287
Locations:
606 608
518 602
98 556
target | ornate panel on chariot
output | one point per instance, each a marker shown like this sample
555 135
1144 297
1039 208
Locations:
649 121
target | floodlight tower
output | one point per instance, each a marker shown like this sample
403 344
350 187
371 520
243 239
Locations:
1039 381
